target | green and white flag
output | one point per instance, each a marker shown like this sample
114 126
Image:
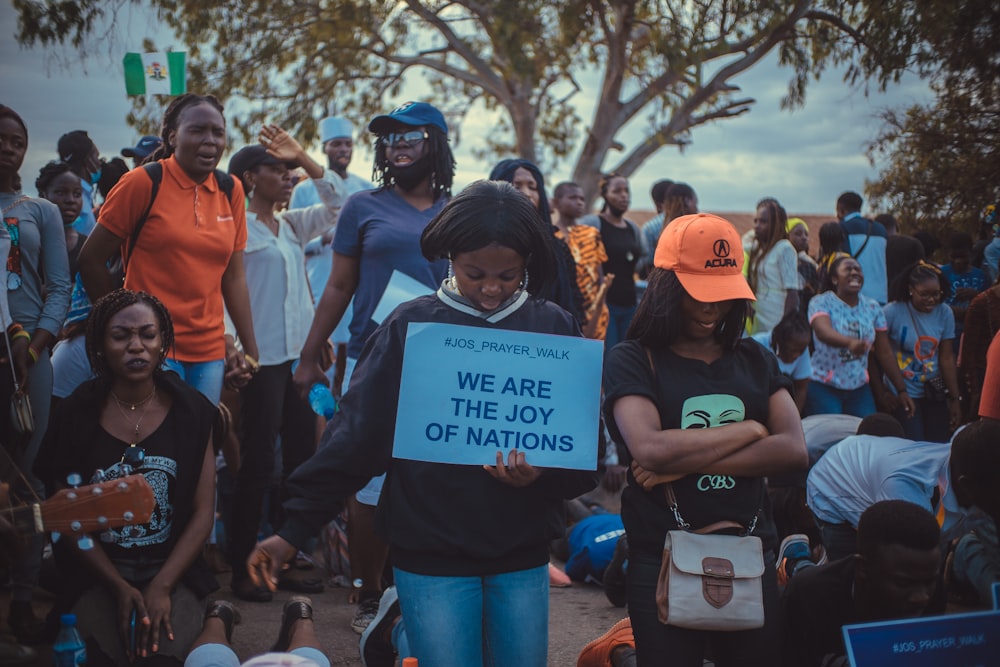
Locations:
155 73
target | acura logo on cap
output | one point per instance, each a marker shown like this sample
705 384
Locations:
722 260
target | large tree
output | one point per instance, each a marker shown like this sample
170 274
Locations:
666 67
943 159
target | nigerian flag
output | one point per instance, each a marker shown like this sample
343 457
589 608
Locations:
155 73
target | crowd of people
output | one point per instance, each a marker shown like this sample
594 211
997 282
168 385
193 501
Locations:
172 321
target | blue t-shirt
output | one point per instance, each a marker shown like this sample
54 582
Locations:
382 230
974 278
836 366
916 341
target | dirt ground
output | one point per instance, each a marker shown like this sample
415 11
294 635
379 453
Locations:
577 615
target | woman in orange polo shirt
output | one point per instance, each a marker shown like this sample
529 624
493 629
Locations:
190 251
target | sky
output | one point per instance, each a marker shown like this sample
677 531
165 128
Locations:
805 158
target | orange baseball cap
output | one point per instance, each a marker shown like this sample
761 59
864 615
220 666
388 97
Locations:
706 253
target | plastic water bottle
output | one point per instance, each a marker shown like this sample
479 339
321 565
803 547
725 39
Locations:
69 649
321 400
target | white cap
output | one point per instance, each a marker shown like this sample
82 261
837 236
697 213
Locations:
333 127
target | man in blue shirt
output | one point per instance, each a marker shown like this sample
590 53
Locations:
865 240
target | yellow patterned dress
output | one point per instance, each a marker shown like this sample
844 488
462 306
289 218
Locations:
588 252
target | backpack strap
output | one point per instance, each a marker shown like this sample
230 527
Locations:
225 181
155 172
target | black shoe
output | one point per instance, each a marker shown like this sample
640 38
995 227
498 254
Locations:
27 628
224 610
296 609
614 575
300 584
245 590
376 649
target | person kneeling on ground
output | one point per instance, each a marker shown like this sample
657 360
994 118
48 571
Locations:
895 575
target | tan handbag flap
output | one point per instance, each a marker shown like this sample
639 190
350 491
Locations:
689 552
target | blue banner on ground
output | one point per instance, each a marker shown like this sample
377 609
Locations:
468 392
955 640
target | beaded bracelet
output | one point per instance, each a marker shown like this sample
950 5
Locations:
14 328
33 355
21 334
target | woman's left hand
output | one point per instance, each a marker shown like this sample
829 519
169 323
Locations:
279 143
517 472
648 479
157 599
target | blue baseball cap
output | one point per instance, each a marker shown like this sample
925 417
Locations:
146 145
410 113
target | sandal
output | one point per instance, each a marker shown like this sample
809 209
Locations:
297 608
227 613
307 585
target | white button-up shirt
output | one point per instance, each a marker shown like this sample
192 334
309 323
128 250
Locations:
280 299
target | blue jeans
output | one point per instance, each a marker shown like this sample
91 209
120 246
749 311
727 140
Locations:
205 376
620 318
822 399
499 620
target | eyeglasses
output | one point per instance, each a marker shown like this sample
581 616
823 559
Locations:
926 296
132 459
410 138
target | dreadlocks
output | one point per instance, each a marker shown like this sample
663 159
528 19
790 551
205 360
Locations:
442 163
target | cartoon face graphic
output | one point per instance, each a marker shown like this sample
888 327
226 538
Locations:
712 410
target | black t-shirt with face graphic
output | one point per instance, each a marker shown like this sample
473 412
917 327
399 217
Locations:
692 394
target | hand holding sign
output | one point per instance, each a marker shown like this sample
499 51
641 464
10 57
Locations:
518 471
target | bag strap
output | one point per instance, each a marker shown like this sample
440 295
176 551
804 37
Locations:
155 172
868 238
668 492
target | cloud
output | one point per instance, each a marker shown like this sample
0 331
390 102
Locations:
804 158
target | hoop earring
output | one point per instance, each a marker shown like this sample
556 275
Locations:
253 188
524 283
452 283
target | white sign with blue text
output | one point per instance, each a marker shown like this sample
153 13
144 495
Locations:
955 640
468 392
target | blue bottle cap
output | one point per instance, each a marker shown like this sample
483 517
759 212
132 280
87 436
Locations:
68 619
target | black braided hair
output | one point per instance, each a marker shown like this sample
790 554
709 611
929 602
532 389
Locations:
915 274
106 308
172 117
604 183
7 112
442 163
49 173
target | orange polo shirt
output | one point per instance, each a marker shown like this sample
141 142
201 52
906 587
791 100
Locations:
182 251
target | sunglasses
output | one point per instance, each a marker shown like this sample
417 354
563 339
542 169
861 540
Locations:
132 459
410 138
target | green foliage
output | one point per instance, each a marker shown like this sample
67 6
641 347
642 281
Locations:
667 66
944 158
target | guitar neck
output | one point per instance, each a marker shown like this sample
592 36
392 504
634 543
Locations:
24 518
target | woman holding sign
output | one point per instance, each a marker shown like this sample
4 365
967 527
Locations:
705 415
469 543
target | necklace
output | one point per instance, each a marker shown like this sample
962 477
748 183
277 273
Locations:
133 406
145 403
